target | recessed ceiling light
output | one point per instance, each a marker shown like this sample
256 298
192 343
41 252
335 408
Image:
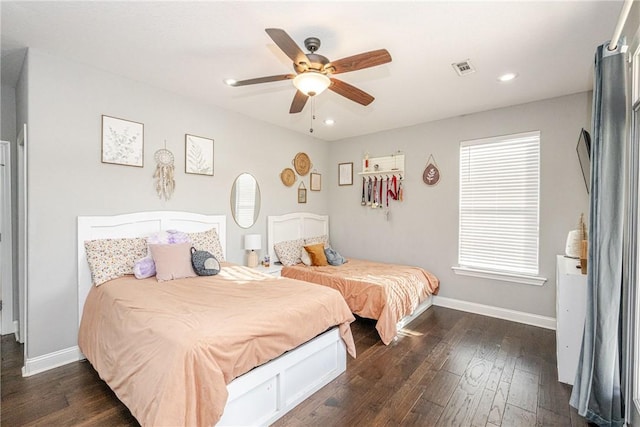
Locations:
230 82
329 122
507 77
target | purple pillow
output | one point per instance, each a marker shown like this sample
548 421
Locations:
144 267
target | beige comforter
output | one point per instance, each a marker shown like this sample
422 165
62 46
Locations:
385 292
168 349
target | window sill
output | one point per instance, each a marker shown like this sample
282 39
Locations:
496 275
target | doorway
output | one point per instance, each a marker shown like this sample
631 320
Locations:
6 252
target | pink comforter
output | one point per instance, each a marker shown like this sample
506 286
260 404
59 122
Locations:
168 349
385 292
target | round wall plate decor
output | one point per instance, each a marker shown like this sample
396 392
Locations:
302 163
288 176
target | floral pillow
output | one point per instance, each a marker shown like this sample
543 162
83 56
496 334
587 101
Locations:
112 258
289 251
207 241
324 239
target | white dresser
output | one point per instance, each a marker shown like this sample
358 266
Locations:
571 301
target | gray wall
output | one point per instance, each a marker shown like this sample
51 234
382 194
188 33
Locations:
423 230
67 179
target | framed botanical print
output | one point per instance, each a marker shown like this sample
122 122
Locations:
122 142
345 173
198 155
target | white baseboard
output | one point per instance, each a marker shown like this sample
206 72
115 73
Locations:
500 313
51 360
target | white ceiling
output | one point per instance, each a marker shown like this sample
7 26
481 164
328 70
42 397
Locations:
191 47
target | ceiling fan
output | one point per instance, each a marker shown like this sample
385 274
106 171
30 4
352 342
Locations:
314 71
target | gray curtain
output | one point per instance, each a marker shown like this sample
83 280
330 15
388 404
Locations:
597 391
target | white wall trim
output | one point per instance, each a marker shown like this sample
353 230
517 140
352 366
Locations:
498 312
16 330
51 360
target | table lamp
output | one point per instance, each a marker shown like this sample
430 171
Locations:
252 242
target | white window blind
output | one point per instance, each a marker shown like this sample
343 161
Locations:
499 203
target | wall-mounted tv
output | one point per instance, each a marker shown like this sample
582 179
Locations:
584 156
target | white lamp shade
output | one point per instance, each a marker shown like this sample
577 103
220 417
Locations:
311 83
252 242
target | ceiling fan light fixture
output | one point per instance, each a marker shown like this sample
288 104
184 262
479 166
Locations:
311 83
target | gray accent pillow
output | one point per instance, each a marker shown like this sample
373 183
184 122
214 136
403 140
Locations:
333 257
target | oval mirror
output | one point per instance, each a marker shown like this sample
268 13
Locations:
245 200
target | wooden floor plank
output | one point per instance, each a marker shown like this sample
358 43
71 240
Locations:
447 368
523 392
517 417
499 403
466 397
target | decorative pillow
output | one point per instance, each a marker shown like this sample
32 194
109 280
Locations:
333 257
304 257
144 267
203 263
316 253
289 251
112 258
324 239
207 241
168 237
172 261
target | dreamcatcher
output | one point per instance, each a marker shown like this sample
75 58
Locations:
164 174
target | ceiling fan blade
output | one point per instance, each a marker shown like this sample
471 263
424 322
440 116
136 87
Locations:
358 62
263 80
287 45
299 100
351 92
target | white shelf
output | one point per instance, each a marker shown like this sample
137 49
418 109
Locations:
385 172
387 165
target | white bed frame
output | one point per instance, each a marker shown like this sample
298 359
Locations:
264 394
301 225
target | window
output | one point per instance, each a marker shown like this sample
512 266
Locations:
499 207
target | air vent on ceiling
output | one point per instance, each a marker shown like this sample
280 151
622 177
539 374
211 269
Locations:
463 68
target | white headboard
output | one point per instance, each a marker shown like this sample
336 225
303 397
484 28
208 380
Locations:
293 226
140 224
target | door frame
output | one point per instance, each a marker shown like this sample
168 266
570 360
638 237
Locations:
8 326
23 288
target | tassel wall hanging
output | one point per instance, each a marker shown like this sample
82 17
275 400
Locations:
164 174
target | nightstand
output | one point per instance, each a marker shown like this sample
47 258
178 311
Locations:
273 269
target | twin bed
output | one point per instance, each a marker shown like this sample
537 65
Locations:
238 348
392 294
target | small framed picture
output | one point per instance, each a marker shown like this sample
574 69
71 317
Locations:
198 155
316 182
122 142
345 173
302 195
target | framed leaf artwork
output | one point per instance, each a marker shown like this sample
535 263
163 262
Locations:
122 142
198 155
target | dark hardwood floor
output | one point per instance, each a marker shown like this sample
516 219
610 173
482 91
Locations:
447 368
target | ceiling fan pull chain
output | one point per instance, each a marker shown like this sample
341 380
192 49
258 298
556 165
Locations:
313 114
